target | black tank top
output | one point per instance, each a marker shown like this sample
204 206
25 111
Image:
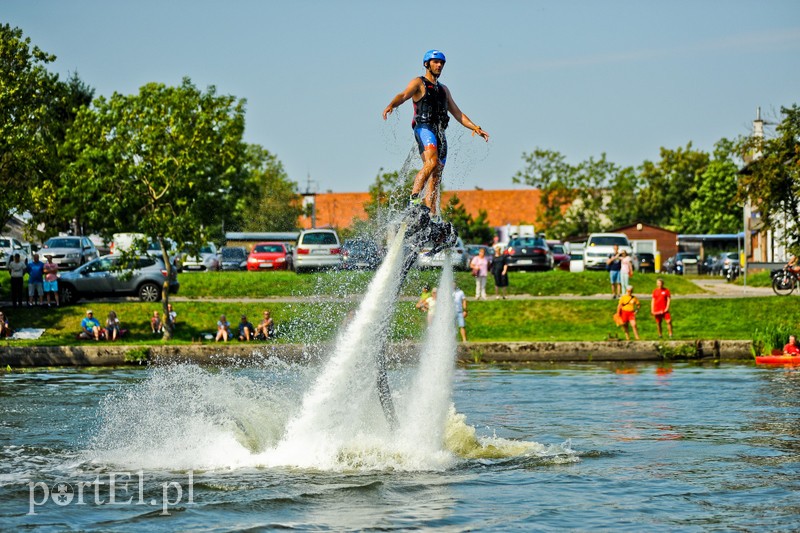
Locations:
431 109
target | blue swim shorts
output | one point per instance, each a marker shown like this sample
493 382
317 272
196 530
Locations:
429 136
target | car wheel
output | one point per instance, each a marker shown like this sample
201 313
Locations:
69 295
149 292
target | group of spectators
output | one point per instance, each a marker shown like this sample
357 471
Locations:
247 332
42 281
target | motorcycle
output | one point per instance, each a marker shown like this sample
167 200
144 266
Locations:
784 281
732 273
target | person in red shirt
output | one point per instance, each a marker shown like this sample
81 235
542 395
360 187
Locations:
791 348
659 306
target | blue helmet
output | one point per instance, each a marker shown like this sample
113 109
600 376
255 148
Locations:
432 54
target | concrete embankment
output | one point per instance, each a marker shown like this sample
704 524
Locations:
484 352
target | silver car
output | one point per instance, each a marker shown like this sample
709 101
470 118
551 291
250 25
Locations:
109 276
69 252
317 248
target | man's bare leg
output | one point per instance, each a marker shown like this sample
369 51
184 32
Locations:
433 191
430 162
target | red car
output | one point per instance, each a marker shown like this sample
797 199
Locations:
560 255
270 256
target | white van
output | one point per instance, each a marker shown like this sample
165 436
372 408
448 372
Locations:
600 245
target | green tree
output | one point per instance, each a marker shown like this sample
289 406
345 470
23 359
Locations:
670 185
28 125
471 230
771 182
164 162
388 193
548 171
714 208
270 201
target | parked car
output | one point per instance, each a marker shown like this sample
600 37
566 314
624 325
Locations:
69 252
726 261
122 242
233 258
459 258
708 265
207 259
576 261
600 245
360 254
108 276
270 256
10 246
645 262
680 262
317 248
560 254
529 253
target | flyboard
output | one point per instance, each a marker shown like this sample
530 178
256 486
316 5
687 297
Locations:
420 232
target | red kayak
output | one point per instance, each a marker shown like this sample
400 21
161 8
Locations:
778 359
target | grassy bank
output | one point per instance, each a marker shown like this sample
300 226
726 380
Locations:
493 320
282 284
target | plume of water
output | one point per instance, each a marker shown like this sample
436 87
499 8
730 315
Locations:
342 406
424 417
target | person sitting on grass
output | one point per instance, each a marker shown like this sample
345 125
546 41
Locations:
112 326
266 328
627 307
155 323
791 347
246 329
5 329
223 329
90 327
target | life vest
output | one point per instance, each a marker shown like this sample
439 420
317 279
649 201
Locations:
431 109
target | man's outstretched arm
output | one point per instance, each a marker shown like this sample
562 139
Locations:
463 118
410 91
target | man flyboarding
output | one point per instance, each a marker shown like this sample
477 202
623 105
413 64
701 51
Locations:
432 102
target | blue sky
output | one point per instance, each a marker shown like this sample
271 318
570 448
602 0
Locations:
580 77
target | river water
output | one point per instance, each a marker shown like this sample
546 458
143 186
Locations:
573 447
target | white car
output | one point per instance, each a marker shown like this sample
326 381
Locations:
69 252
317 248
601 245
460 257
10 246
576 262
208 259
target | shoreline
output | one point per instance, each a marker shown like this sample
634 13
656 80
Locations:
470 352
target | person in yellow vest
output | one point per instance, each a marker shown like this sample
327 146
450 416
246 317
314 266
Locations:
627 307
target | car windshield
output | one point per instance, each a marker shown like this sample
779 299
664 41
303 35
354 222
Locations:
646 257
532 241
608 240
319 238
576 257
557 248
687 256
63 243
233 253
5 243
268 248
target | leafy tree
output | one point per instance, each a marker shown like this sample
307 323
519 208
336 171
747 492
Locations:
388 193
164 162
28 125
772 181
714 208
268 188
548 171
471 230
670 185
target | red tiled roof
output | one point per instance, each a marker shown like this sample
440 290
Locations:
517 206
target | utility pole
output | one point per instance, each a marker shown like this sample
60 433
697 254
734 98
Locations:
310 197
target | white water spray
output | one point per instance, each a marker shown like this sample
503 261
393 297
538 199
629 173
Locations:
342 407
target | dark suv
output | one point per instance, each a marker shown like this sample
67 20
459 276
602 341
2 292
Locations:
109 276
529 253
